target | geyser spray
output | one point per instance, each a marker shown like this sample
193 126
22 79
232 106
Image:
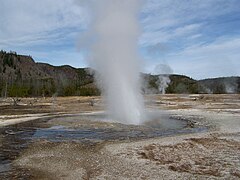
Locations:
114 56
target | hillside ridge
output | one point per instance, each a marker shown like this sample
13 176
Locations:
20 75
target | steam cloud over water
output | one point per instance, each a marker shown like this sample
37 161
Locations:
114 56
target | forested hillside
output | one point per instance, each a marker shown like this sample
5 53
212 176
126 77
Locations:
21 76
220 85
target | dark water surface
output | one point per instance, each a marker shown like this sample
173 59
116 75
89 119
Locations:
16 138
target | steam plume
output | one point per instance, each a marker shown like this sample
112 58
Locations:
114 36
163 71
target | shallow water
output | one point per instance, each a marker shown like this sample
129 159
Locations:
83 128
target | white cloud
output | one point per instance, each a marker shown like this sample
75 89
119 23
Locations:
186 29
220 58
204 60
189 30
195 36
181 28
24 21
153 38
165 19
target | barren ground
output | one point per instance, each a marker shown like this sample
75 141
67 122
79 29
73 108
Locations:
209 155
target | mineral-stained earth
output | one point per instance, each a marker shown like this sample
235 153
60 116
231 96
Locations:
211 153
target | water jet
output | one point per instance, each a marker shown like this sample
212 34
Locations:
114 55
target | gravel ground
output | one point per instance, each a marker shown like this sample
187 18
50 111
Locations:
210 155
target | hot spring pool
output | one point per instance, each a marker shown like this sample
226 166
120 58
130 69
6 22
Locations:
85 128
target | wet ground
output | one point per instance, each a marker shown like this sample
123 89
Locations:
86 129
200 139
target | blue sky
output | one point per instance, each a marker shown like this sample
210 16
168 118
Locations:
198 38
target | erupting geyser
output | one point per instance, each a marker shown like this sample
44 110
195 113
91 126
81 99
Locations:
114 56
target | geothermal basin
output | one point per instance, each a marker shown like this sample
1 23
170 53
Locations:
194 136
84 128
